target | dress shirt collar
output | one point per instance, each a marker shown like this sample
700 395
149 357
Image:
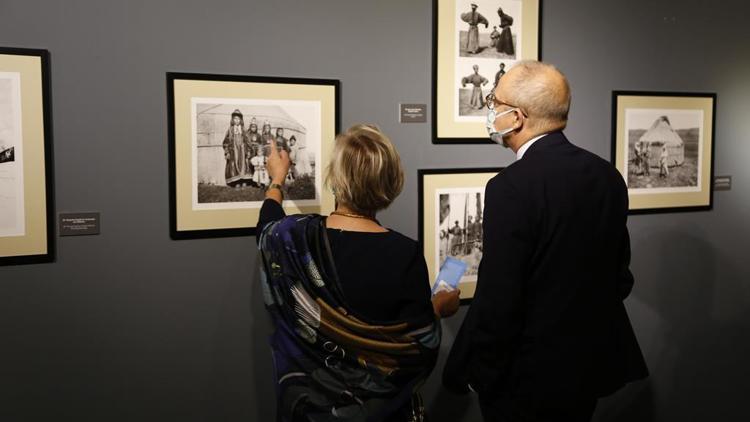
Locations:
521 151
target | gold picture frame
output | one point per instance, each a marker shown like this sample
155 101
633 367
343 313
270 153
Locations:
216 188
516 36
439 191
26 173
663 145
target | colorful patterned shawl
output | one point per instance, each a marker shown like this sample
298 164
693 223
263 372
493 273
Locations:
332 364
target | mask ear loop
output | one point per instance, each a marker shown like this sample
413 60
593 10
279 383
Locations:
495 135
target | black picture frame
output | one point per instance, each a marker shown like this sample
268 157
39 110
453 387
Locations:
49 171
171 77
436 139
614 158
421 173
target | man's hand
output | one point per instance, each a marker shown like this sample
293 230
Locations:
445 303
278 164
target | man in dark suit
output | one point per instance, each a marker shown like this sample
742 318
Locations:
547 333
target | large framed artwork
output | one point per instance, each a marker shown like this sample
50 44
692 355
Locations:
451 203
662 144
26 189
474 43
220 131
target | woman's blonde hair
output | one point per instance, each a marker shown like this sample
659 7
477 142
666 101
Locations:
365 172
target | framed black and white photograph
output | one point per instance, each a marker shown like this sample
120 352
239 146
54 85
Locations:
233 142
459 233
474 44
662 143
451 206
12 213
26 189
220 140
482 34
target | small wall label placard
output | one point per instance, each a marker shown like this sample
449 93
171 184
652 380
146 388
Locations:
79 224
413 113
723 183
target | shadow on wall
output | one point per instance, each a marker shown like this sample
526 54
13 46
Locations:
697 358
262 361
243 374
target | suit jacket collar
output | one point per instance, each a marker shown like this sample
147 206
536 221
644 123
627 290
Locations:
551 140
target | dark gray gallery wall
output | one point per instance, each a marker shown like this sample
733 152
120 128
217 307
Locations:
130 325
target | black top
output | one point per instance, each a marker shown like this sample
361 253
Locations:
383 275
547 324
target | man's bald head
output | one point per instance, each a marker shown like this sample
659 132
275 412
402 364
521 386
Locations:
540 90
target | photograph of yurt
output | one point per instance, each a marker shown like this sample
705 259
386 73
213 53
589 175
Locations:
663 148
233 142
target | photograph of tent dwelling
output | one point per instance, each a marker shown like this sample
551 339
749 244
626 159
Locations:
663 148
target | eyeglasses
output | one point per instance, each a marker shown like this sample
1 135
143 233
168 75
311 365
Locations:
491 101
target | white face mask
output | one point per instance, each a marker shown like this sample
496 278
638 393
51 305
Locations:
497 135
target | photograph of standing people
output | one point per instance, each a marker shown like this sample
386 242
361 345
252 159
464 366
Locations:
253 139
459 232
260 177
265 138
494 37
281 141
477 81
483 51
473 18
505 43
231 161
235 149
488 35
499 74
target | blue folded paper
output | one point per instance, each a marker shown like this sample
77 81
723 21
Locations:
450 275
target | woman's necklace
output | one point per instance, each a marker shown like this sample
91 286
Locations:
352 215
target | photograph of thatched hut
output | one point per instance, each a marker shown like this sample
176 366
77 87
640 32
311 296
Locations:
663 150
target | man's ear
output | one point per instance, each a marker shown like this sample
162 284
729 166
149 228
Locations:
518 123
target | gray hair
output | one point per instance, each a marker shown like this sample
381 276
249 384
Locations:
535 90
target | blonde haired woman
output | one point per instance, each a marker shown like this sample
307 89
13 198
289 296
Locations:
357 331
